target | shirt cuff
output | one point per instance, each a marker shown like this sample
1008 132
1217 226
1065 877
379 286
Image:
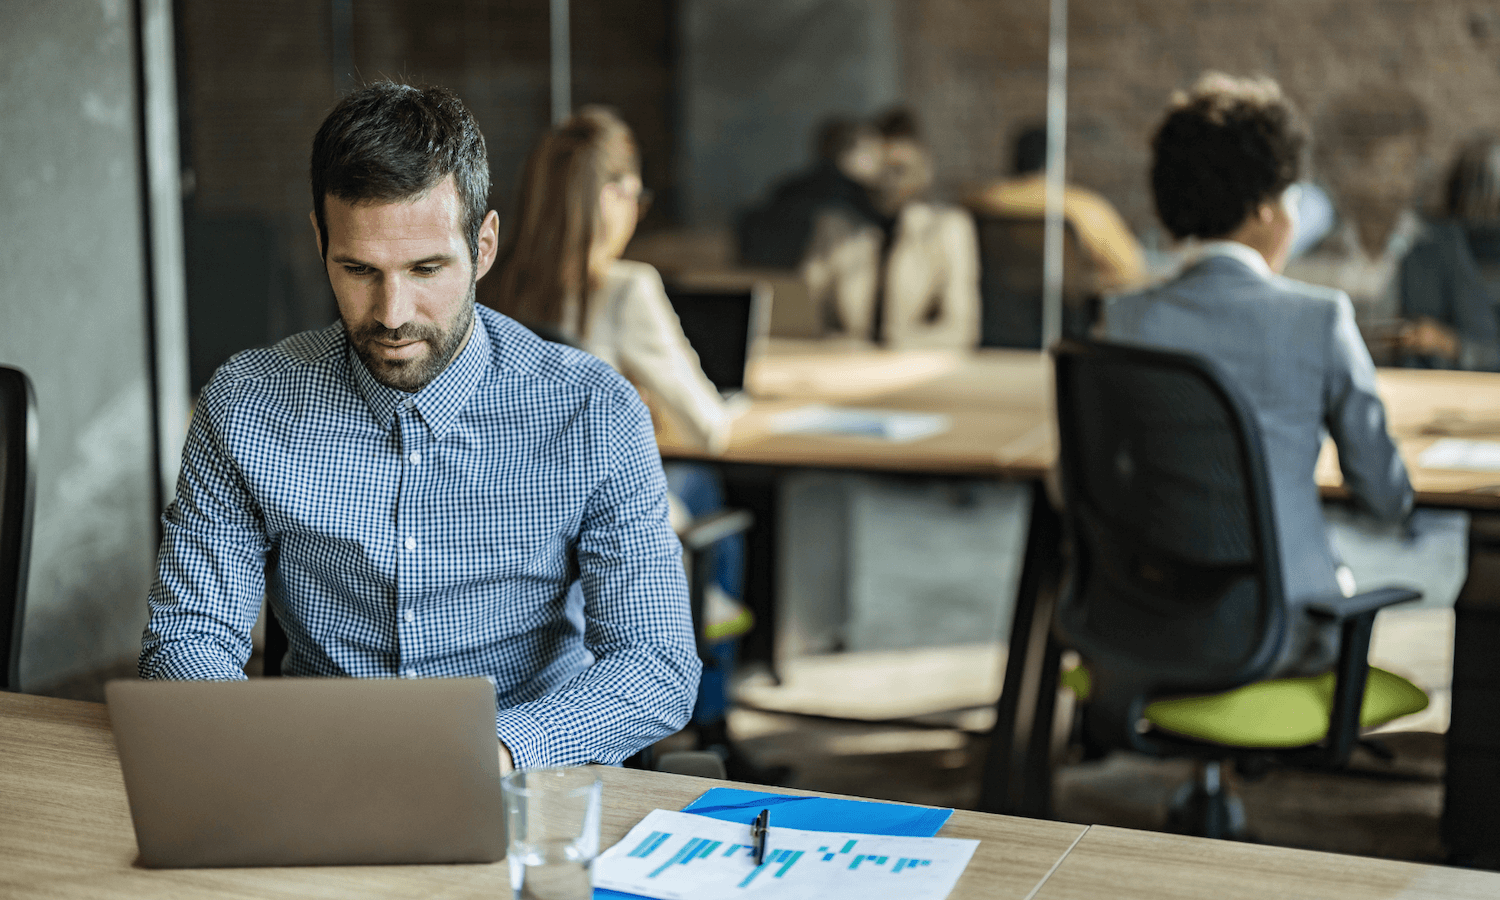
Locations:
523 736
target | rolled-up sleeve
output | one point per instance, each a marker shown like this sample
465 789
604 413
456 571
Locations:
644 678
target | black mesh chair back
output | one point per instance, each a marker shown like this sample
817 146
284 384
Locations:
18 449
1176 583
1010 282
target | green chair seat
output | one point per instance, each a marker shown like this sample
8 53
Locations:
1283 712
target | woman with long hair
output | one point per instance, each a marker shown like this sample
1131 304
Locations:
559 270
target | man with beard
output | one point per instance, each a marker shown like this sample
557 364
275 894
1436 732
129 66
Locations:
425 488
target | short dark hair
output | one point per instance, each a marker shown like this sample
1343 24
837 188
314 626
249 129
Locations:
389 142
897 123
836 136
1224 148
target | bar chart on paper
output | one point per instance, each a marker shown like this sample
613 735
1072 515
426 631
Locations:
676 855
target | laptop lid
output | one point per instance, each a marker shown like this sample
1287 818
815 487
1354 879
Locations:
310 771
722 325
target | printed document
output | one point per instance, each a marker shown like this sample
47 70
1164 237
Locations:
681 856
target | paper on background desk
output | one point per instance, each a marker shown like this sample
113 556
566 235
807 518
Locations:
884 424
681 856
1458 453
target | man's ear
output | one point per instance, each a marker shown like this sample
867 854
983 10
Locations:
312 216
1266 212
489 244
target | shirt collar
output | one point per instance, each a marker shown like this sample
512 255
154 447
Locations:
1236 251
440 402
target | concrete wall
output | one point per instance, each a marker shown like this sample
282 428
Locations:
73 294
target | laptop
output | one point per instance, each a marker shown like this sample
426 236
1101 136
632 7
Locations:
723 326
310 771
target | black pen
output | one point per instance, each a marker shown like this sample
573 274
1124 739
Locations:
758 829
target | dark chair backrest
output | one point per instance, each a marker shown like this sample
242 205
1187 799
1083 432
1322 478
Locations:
1011 281
18 450
1176 583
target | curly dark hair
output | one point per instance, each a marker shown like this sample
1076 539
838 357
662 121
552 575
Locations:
388 142
1224 148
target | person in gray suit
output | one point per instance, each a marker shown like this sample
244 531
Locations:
1224 159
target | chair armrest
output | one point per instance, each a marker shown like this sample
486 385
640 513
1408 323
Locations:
708 530
1341 608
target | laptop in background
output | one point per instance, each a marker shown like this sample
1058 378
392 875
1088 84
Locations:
310 771
723 326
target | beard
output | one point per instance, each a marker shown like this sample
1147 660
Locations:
411 375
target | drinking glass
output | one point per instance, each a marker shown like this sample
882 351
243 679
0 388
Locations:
552 816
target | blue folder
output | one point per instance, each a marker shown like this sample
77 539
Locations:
810 814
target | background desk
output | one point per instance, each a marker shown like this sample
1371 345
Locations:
1001 407
65 829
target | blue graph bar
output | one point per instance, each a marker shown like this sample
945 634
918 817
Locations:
648 846
704 851
790 858
849 846
688 851
872 860
775 856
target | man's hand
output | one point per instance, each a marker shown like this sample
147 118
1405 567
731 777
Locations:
507 764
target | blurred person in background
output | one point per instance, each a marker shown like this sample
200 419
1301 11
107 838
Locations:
912 278
847 163
1223 160
559 271
1371 157
1448 279
1113 252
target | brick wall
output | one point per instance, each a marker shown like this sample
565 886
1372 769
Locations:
976 70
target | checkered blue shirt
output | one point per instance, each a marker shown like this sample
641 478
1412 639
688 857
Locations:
440 533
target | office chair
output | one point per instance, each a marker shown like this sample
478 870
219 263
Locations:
1011 282
1175 598
18 449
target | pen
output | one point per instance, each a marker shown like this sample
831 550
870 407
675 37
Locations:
758 830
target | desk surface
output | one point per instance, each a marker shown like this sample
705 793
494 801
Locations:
1136 865
1000 403
65 832
65 829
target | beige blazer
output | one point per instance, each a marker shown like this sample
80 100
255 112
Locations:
932 276
633 328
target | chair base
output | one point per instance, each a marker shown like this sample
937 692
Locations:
1204 807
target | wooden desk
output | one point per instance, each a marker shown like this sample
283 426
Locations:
1001 406
65 829
65 832
1135 865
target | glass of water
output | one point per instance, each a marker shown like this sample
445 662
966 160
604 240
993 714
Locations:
552 816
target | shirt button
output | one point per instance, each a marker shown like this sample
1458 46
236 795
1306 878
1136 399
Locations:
414 457
411 543
409 616
411 673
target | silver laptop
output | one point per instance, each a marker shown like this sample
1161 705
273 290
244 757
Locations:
310 771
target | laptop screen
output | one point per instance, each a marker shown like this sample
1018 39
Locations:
719 324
